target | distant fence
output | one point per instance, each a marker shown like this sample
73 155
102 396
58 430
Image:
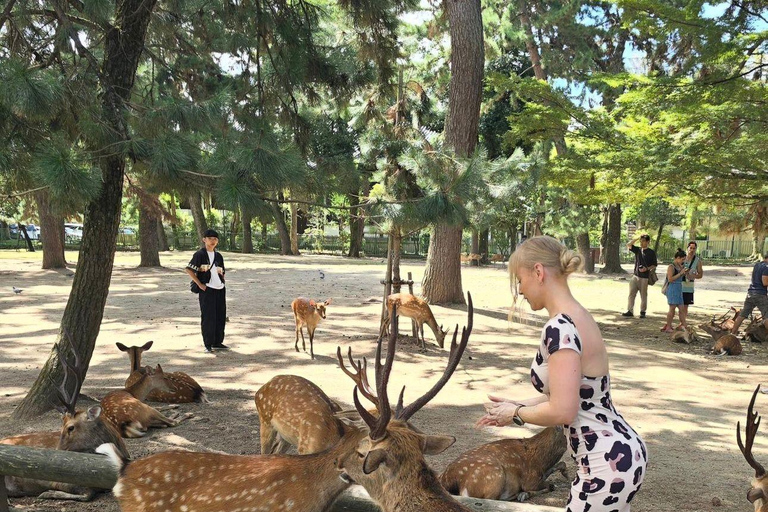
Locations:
711 250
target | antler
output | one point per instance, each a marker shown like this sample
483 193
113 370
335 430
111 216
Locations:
457 350
69 401
360 376
753 422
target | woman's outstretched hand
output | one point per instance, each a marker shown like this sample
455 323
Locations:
498 413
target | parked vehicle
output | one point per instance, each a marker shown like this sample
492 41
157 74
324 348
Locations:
73 231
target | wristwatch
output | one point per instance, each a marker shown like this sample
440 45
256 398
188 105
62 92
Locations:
516 419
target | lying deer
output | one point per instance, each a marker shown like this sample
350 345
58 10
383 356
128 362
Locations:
758 493
81 431
757 331
389 462
722 325
688 335
413 307
124 408
319 423
727 344
497 258
294 411
183 388
508 469
466 258
307 312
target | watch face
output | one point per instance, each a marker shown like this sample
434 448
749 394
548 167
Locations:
518 421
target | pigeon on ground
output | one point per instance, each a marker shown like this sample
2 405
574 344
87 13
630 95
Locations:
17 290
322 274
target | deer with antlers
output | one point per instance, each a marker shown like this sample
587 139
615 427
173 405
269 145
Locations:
416 308
758 493
389 462
127 412
508 469
307 312
81 431
183 388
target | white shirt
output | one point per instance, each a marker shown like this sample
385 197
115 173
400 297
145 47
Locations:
215 281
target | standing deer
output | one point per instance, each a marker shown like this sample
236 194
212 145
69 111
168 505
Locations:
413 307
81 431
124 408
183 388
758 493
389 462
508 469
307 312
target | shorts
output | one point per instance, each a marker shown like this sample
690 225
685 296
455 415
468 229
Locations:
755 301
687 298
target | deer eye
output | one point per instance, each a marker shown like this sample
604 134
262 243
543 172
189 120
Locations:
71 428
361 455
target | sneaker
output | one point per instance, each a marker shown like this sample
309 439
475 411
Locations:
220 347
208 350
642 314
628 313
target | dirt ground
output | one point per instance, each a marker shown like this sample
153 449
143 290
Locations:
684 402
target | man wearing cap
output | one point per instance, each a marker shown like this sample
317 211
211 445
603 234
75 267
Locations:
645 263
206 268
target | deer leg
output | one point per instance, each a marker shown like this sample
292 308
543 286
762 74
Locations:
303 343
268 436
561 467
87 495
298 330
311 339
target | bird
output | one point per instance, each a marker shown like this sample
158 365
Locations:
322 274
17 290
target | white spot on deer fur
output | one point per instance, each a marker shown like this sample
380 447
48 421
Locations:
465 493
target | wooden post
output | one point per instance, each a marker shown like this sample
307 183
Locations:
410 290
387 279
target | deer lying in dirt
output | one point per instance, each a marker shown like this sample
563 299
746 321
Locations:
756 331
758 493
294 411
689 335
413 307
722 325
131 417
389 462
183 388
497 258
81 431
727 344
508 469
307 312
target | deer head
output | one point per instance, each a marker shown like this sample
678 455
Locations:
758 494
134 353
82 431
320 307
392 453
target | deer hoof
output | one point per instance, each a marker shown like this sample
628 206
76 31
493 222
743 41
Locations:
522 497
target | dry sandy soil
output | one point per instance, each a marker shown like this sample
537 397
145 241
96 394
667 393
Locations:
684 402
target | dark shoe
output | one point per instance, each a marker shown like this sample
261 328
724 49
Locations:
628 313
642 314
208 350
220 347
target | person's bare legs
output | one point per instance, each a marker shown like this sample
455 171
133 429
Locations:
682 312
670 316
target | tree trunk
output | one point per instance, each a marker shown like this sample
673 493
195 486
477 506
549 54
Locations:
295 229
162 238
693 226
83 314
148 236
483 247
282 229
247 232
442 276
233 230
196 205
658 238
444 258
613 241
357 219
582 242
475 247
397 246
603 236
52 229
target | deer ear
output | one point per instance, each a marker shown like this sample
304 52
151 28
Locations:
312 302
147 345
328 301
432 445
755 494
159 369
373 460
94 412
122 347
